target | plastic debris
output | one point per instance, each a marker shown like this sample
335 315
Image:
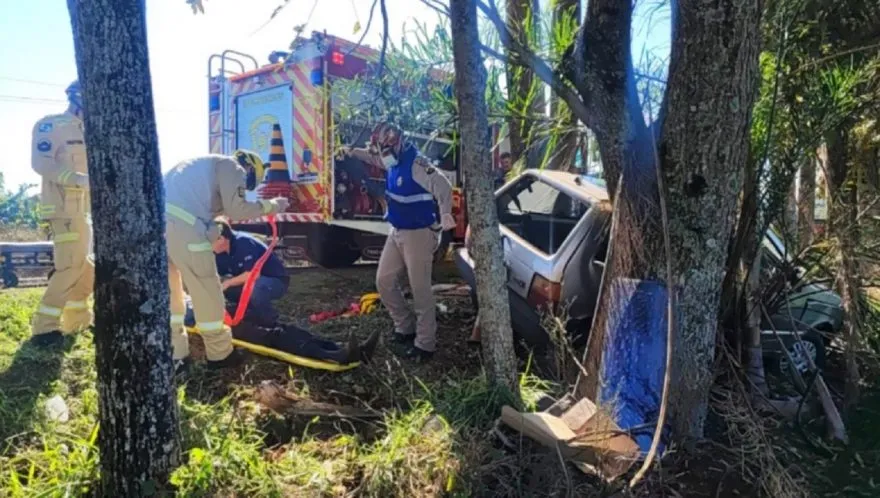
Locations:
57 410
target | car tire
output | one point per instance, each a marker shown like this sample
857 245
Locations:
814 343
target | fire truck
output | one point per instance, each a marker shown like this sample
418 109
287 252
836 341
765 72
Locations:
289 112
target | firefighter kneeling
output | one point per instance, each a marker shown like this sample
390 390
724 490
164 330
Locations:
196 192
419 206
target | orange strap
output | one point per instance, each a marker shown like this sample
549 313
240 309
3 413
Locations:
252 279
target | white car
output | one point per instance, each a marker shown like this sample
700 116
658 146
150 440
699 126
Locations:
555 229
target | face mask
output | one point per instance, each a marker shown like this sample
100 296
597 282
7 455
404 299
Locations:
251 179
388 160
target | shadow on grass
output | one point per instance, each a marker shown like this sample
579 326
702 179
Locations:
30 376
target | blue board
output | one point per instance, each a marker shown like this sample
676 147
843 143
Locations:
634 358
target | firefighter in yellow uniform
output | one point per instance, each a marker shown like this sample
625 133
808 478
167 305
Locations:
196 192
59 156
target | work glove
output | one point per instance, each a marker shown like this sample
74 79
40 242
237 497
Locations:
281 204
447 222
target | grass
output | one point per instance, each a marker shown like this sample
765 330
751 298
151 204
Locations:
431 436
429 440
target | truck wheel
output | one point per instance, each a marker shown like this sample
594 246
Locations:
332 247
10 279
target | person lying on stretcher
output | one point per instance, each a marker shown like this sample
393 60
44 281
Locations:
293 340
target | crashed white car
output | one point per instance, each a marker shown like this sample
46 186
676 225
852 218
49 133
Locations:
555 232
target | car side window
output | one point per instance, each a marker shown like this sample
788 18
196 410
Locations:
540 213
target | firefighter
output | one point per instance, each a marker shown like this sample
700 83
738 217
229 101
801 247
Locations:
196 192
59 156
419 200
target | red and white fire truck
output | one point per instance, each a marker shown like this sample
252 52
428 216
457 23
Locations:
285 112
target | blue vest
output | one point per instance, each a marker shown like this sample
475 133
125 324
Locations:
410 206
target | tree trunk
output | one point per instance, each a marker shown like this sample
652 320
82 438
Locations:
713 72
842 227
806 200
524 91
137 402
470 82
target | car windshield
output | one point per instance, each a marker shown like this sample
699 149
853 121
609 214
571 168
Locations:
540 213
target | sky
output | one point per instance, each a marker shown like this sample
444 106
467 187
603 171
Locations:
37 60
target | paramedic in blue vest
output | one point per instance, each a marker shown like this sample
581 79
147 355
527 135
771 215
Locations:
419 201
236 254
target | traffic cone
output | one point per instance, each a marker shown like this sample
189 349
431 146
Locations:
277 181
278 171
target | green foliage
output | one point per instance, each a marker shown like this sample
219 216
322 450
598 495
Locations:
18 209
423 447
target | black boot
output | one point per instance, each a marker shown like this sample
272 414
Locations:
399 338
48 339
368 347
235 358
416 353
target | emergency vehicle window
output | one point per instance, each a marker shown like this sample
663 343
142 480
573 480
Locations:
540 213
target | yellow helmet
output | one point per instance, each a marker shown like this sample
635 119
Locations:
252 163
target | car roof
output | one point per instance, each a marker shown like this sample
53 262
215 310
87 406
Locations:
589 185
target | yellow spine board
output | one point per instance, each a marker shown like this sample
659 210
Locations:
288 357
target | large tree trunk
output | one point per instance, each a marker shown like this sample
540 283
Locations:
703 151
713 73
842 227
137 402
806 200
470 82
524 92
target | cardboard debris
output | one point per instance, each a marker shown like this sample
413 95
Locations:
587 437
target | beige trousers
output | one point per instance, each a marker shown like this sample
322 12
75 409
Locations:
410 252
192 264
64 306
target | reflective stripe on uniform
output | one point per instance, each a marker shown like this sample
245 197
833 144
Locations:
199 247
75 305
177 319
66 237
210 326
409 199
64 176
47 208
267 206
180 214
49 310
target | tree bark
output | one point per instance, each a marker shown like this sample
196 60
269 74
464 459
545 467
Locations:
137 402
806 200
713 73
842 227
470 82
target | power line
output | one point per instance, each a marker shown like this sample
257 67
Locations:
23 98
33 82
